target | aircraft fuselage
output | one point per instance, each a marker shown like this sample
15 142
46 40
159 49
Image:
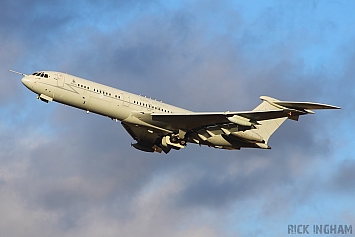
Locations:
157 126
95 97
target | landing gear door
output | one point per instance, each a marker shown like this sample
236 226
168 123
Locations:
60 79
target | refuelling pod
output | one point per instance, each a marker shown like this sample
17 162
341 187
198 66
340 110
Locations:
262 146
248 135
240 121
142 147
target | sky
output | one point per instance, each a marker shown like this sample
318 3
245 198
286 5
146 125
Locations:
67 173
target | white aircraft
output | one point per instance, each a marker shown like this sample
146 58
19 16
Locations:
157 126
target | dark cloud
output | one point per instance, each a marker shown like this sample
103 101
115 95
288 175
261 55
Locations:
344 177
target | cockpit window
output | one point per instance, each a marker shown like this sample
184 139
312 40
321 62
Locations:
40 74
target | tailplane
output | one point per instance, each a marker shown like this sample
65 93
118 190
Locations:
267 127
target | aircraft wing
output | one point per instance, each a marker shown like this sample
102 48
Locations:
227 130
192 120
282 109
147 134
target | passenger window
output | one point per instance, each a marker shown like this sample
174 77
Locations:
46 75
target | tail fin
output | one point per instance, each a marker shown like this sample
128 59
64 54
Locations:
268 127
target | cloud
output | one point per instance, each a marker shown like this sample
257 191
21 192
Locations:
66 173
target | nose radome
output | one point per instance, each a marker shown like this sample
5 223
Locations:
26 81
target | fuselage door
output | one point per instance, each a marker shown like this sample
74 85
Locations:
125 97
60 79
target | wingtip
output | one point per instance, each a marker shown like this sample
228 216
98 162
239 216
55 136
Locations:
332 107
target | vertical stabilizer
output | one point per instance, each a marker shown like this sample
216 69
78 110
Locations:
267 127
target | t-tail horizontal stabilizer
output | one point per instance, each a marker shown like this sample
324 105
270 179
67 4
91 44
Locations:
299 108
293 109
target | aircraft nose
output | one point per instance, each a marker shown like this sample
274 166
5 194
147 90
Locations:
26 81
